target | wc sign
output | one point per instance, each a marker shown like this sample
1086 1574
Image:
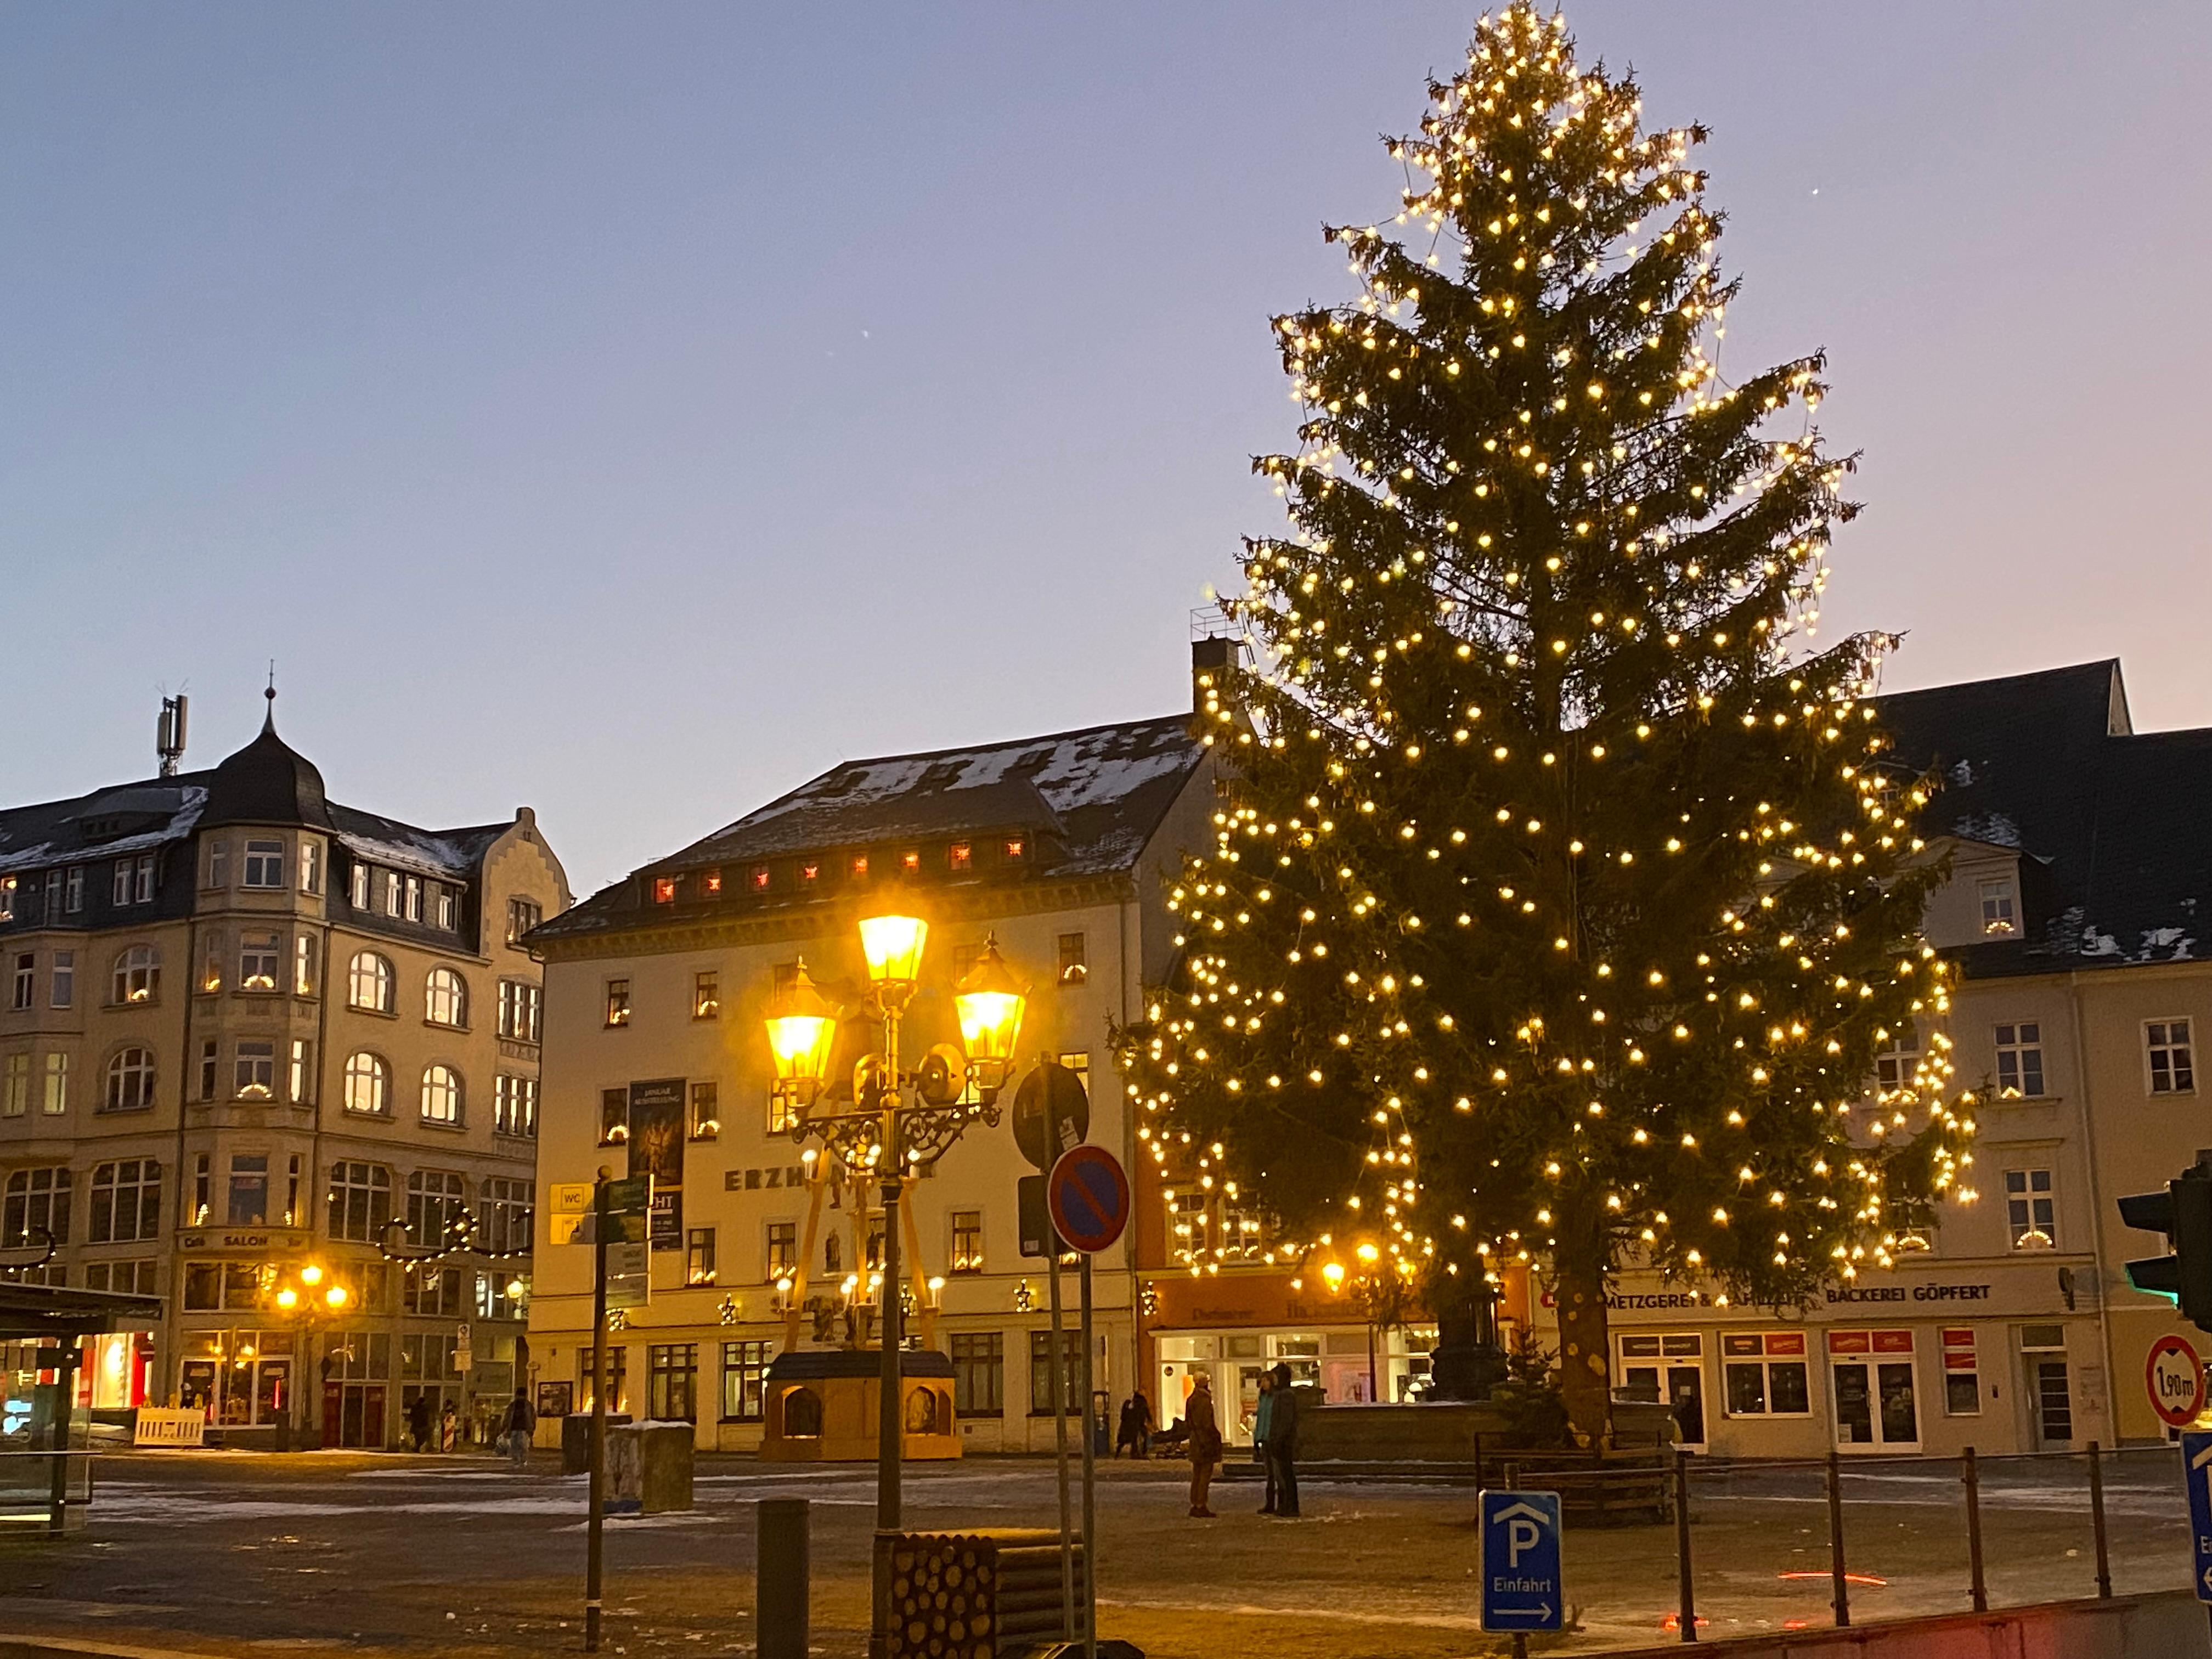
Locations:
1521 1589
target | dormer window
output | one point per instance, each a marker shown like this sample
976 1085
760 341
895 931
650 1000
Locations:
910 861
759 878
664 889
1998 919
1017 848
809 873
958 856
710 882
860 866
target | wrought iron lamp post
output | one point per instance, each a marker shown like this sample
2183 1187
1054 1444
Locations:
900 1121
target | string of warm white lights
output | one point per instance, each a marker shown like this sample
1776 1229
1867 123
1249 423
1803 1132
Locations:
1561 902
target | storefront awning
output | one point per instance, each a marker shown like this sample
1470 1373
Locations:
53 1313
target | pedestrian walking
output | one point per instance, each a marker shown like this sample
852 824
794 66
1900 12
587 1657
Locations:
418 1422
519 1423
1135 1428
1283 1445
1205 1445
1263 1416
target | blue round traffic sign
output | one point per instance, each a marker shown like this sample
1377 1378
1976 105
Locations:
1089 1197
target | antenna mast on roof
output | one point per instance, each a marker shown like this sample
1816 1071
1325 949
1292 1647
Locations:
169 733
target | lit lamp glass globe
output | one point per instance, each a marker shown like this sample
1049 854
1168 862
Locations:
892 946
800 1028
990 1004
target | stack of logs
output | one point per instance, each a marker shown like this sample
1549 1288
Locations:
986 1595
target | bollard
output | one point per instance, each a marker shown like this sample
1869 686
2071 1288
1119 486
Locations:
2097 1520
1842 1594
1971 1471
1688 1615
779 1584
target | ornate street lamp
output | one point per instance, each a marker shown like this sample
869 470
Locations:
902 1121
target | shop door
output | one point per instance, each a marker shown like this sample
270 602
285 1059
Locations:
1871 1373
360 1415
1671 1368
2051 1400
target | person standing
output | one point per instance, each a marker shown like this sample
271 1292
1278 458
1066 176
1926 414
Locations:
1283 1446
1205 1444
1263 1416
418 1422
520 1423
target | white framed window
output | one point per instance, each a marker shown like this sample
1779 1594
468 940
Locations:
441 1095
360 891
303 965
361 1201
2031 1209
55 1100
255 1071
65 979
369 982
2020 1059
74 890
514 1105
311 865
522 916
1765 1374
130 1080
264 864
368 1085
137 975
447 912
15 1084
445 998
215 868
300 1075
2000 919
390 891
119 895
1894 1066
2166 1050
126 1202
414 899
1962 1373
27 979
521 1009
259 959
211 1058
7 899
37 1201
437 1203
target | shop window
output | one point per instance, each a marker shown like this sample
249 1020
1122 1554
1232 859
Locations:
1767 1374
1041 1372
2020 1060
672 1381
1962 1374
1669 1367
745 1379
979 1373
617 1362
1872 1375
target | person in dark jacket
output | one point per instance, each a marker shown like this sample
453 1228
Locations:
1136 1425
1205 1444
1282 1445
418 1422
516 1428
1263 1418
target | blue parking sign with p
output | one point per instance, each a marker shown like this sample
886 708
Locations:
2196 1474
1521 1588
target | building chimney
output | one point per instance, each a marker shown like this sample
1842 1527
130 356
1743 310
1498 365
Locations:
169 733
1210 662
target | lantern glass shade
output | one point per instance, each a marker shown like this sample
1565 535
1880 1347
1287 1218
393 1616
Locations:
893 945
991 1003
800 1028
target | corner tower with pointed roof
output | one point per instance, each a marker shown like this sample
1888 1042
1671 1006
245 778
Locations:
251 1033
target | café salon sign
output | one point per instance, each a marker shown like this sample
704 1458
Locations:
243 1238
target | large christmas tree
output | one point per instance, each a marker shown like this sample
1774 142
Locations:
1561 903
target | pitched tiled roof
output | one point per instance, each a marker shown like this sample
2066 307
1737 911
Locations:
1092 800
2113 821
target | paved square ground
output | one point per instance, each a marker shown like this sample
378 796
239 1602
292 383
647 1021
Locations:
231 1552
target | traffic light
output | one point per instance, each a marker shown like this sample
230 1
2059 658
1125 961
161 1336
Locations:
2184 1214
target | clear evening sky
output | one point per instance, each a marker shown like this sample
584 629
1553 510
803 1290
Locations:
633 409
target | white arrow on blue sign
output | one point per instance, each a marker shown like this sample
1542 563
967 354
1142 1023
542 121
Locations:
2196 1475
1521 1588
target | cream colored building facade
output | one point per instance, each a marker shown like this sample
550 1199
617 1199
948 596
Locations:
254 1042
2079 858
655 991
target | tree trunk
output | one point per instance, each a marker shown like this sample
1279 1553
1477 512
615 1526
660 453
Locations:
1585 1374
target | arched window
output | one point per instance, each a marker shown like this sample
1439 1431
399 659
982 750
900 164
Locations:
138 974
447 997
441 1095
368 983
131 1079
367 1084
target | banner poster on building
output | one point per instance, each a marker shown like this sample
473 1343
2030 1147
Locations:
656 1148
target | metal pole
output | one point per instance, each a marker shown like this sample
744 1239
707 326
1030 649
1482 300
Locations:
2097 1519
1089 1475
1057 1370
1842 1594
1684 1584
1520 1644
890 1422
594 1522
780 1578
1972 1473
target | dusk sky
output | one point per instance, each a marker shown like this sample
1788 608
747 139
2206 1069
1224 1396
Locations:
633 410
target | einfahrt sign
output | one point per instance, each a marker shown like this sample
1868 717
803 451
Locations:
2175 1378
